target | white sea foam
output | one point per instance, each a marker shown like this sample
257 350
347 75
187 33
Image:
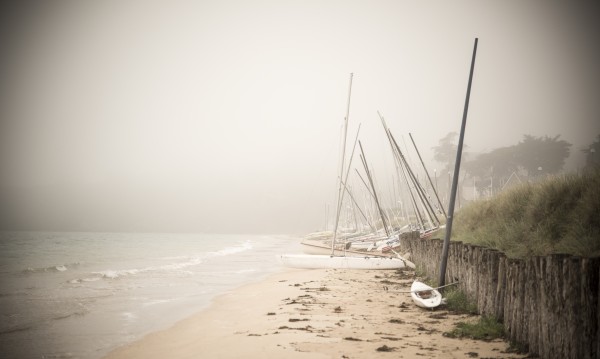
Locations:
231 250
174 266
128 316
52 268
189 261
113 274
157 301
81 280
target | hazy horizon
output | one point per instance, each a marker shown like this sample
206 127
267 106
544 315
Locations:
226 116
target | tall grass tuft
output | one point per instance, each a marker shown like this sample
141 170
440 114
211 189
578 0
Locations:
557 215
457 301
486 328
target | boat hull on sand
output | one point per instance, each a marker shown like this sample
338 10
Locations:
425 296
315 247
313 261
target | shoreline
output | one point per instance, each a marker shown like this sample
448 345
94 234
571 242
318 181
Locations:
313 314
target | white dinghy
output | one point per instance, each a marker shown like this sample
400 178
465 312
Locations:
425 296
314 261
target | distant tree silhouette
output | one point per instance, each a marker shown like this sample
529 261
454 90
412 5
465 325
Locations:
592 154
541 155
532 156
445 152
493 167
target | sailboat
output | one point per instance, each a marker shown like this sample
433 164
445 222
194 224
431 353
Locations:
337 259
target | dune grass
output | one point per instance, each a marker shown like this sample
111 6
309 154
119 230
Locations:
556 215
457 301
486 328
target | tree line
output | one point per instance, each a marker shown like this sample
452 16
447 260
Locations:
530 158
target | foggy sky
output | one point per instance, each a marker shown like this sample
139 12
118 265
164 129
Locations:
226 116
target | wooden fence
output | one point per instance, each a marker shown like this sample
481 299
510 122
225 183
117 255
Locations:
550 305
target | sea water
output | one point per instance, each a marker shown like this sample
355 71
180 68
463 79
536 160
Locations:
79 295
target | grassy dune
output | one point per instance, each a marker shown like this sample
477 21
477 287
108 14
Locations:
557 215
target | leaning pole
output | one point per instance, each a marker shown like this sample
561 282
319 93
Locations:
444 262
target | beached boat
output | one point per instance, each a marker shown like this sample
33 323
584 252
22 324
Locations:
360 247
320 247
425 296
314 261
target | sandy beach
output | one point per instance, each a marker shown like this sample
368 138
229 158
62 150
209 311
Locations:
316 314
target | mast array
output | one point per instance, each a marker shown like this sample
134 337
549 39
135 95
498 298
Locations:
424 212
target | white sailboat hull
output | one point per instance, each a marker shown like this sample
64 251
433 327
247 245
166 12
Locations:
316 250
315 247
311 261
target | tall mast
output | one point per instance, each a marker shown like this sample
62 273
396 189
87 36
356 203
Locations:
340 192
444 261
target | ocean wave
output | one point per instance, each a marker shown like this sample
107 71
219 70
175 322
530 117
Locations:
13 294
113 274
77 313
14 329
129 316
81 280
231 250
157 301
53 268
192 261
197 260
187 261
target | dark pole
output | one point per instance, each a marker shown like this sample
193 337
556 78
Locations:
444 262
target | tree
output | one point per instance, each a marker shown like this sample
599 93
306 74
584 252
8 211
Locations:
592 154
541 155
494 167
532 156
445 152
500 162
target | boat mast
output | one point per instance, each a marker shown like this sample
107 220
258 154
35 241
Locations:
428 177
444 261
404 170
345 180
370 178
340 192
358 207
418 188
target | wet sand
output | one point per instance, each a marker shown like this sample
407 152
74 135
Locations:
323 313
